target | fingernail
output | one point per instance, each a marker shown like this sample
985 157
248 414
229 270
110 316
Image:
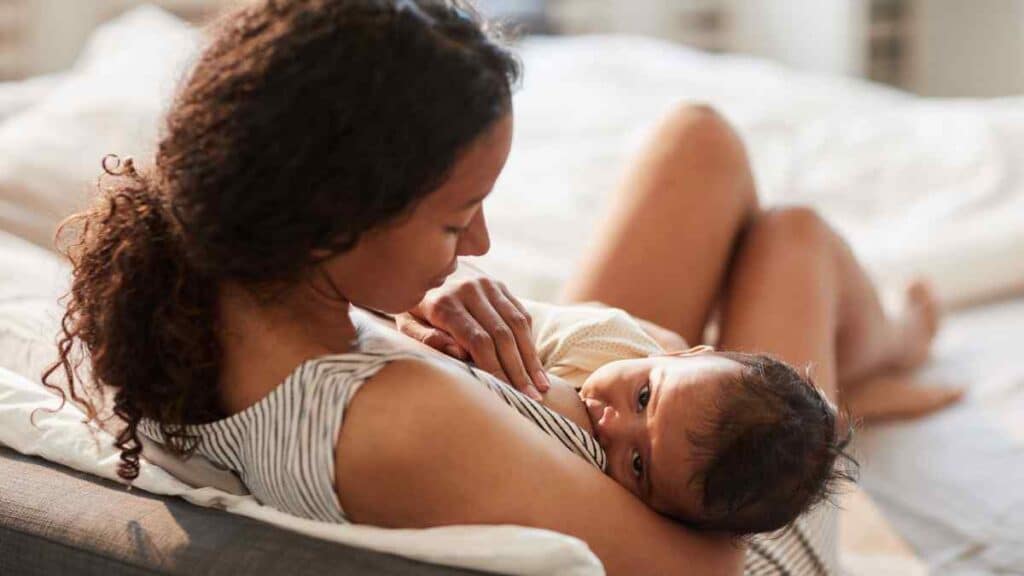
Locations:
453 351
533 393
542 381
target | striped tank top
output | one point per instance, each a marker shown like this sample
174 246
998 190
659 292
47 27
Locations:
283 446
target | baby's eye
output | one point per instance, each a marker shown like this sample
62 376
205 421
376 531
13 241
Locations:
638 465
643 397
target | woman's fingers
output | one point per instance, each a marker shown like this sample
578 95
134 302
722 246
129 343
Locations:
486 321
515 301
499 339
412 326
519 320
477 340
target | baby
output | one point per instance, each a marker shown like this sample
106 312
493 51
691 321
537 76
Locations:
724 441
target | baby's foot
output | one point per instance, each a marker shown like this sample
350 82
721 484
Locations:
915 326
897 396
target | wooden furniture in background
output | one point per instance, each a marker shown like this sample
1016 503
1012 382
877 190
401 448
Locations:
931 47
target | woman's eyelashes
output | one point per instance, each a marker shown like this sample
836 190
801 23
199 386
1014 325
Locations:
455 230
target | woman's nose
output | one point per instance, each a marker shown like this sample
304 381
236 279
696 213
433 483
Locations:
476 240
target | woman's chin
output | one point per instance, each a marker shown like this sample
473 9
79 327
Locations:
396 305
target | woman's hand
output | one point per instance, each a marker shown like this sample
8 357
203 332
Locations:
472 316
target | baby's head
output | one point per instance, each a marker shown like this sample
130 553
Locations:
727 441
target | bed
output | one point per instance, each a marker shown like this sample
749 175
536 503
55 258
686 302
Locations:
918 186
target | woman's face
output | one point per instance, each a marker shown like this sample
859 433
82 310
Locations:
393 266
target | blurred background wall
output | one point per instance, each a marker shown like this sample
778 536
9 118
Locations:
931 47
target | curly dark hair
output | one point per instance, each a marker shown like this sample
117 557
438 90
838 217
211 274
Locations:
772 449
304 124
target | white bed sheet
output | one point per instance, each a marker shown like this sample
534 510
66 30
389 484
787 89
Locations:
953 484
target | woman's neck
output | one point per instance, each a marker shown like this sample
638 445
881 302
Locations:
263 342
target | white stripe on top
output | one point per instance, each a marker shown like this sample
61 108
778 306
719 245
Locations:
283 446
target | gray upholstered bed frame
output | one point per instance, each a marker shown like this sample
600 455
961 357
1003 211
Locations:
56 521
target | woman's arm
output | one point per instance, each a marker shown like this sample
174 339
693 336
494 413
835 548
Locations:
426 445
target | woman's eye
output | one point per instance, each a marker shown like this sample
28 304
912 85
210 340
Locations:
644 396
638 465
454 230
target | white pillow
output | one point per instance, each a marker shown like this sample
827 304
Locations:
31 280
111 102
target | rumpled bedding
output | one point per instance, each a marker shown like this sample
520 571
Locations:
917 186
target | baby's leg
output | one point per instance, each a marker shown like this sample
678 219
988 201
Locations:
797 291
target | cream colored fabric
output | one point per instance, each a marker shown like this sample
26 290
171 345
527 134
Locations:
573 341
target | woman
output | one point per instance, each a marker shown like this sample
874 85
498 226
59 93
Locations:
323 155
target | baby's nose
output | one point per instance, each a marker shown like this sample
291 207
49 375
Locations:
607 426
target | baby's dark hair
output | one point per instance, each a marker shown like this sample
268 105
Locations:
771 449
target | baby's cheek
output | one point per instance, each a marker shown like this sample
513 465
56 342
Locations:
679 500
624 482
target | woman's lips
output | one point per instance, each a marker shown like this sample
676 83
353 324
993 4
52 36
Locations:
440 279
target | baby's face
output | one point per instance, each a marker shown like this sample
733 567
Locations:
642 410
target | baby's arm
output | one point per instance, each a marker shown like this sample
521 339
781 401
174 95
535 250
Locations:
573 341
550 318
667 339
